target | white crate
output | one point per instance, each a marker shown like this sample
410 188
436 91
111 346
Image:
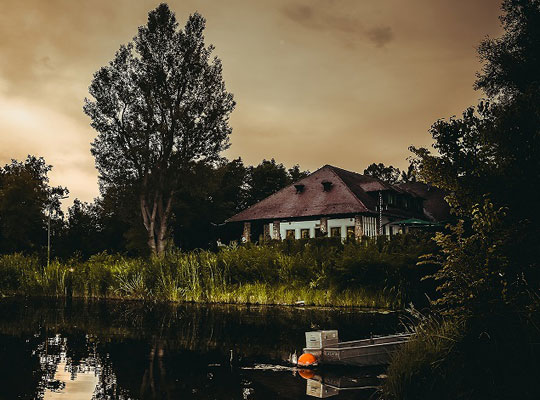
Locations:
321 339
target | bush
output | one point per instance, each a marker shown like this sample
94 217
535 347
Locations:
374 273
489 357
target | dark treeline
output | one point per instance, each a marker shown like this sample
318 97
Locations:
209 194
481 342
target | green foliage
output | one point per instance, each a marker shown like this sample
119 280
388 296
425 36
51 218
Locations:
371 273
159 107
488 281
511 62
488 161
475 269
418 370
268 177
483 357
388 174
25 202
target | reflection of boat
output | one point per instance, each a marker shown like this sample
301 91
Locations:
324 385
323 347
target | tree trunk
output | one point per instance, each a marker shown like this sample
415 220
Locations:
156 221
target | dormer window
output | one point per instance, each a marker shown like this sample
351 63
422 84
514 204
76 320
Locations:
299 188
327 186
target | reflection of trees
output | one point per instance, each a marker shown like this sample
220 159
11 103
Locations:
149 351
78 354
50 352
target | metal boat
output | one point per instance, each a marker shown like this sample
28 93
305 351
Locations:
323 347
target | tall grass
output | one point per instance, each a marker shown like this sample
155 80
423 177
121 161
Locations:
491 356
419 366
319 272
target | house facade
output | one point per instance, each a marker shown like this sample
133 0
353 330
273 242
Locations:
333 202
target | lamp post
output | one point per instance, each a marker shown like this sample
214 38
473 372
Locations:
49 230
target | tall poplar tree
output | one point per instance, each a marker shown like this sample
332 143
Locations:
159 106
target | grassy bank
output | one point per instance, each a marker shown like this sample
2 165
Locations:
320 272
484 357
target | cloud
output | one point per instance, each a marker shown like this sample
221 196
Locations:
320 19
381 35
348 28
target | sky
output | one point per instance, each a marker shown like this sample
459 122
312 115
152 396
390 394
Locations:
341 82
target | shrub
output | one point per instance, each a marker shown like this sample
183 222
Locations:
321 271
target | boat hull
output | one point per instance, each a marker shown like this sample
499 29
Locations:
366 352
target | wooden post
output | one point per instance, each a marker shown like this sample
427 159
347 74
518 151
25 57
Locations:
358 227
266 232
246 235
324 226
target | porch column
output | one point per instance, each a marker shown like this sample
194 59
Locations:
266 232
246 235
277 234
358 227
324 226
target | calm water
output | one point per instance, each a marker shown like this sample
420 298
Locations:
130 350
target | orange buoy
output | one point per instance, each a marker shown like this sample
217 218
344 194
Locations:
306 373
307 360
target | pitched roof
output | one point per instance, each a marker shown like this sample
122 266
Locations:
435 206
348 194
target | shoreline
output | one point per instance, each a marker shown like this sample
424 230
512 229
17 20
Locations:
112 299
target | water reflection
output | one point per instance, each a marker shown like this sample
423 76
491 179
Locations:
119 350
331 383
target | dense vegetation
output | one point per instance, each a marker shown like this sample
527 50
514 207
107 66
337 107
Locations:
209 195
481 340
373 273
478 338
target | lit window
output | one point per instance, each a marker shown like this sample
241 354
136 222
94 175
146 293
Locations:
304 233
335 231
289 234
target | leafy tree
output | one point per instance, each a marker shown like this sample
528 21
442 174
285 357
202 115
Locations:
83 232
26 199
491 156
476 272
268 177
512 61
295 173
120 224
264 179
388 174
159 107
201 209
410 174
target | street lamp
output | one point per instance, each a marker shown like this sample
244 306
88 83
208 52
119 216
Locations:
49 230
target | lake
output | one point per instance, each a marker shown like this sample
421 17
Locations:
57 349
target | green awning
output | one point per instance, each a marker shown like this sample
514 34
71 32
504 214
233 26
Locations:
416 222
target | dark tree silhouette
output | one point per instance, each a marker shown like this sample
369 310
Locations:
410 174
512 61
388 174
268 177
489 161
158 107
26 199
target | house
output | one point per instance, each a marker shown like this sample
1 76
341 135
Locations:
338 203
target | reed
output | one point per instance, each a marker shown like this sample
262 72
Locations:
319 272
420 366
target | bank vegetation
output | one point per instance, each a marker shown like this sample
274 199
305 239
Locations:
377 273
